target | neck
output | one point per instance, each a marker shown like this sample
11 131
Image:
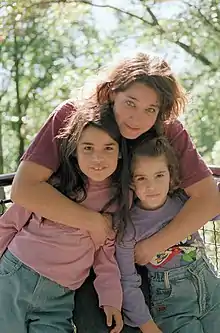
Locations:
144 206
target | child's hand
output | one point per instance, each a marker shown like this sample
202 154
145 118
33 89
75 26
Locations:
113 316
102 229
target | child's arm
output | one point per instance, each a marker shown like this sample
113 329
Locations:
11 222
108 285
150 327
136 312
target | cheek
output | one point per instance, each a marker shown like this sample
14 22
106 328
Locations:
148 122
120 112
82 160
139 189
113 161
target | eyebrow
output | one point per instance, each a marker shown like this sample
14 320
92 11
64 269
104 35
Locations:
135 99
92 144
143 175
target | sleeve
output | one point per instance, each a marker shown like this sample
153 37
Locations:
44 148
107 282
217 218
11 222
192 167
136 311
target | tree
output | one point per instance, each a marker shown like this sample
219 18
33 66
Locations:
191 33
47 52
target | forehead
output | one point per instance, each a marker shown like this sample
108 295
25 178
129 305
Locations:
145 165
142 93
96 136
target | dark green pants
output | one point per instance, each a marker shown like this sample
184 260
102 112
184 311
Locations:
88 317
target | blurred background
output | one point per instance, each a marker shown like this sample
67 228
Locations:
49 48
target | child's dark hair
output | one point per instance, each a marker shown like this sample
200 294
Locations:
70 180
155 147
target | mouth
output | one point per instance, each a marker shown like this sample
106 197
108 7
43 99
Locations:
133 129
152 196
98 168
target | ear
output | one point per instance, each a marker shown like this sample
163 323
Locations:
119 155
172 186
112 95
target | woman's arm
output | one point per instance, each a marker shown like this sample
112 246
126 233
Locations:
31 190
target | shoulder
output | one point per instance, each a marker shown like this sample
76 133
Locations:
63 111
175 130
187 154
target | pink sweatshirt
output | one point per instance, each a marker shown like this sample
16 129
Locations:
64 254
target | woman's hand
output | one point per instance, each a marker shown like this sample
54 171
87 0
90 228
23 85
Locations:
101 229
145 250
113 317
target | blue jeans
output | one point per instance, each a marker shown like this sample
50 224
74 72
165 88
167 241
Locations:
186 299
30 302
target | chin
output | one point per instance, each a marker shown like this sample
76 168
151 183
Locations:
98 178
130 136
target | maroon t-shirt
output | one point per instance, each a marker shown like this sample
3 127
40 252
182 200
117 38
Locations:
44 149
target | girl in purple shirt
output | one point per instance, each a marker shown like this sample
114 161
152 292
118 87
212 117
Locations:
184 289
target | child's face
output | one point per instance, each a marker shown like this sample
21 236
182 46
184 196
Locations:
97 153
151 180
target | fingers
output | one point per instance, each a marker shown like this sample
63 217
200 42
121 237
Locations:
118 323
108 318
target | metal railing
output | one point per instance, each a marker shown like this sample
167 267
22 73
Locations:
210 232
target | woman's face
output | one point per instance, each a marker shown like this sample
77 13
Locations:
136 109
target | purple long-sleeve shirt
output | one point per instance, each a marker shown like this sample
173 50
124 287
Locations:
147 223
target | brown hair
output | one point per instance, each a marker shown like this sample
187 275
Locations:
155 147
151 71
70 180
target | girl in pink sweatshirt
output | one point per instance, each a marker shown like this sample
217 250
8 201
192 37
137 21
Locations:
42 263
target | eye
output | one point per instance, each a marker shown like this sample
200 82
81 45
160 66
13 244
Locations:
87 148
110 148
139 179
160 175
130 103
151 110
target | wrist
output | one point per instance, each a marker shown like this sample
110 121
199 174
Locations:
160 241
89 219
150 327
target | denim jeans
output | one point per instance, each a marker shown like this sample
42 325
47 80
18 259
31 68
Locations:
186 299
30 302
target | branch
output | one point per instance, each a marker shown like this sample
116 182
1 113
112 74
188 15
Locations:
196 55
115 9
25 100
185 47
203 17
154 23
155 20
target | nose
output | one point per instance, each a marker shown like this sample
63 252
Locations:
135 116
149 185
97 158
